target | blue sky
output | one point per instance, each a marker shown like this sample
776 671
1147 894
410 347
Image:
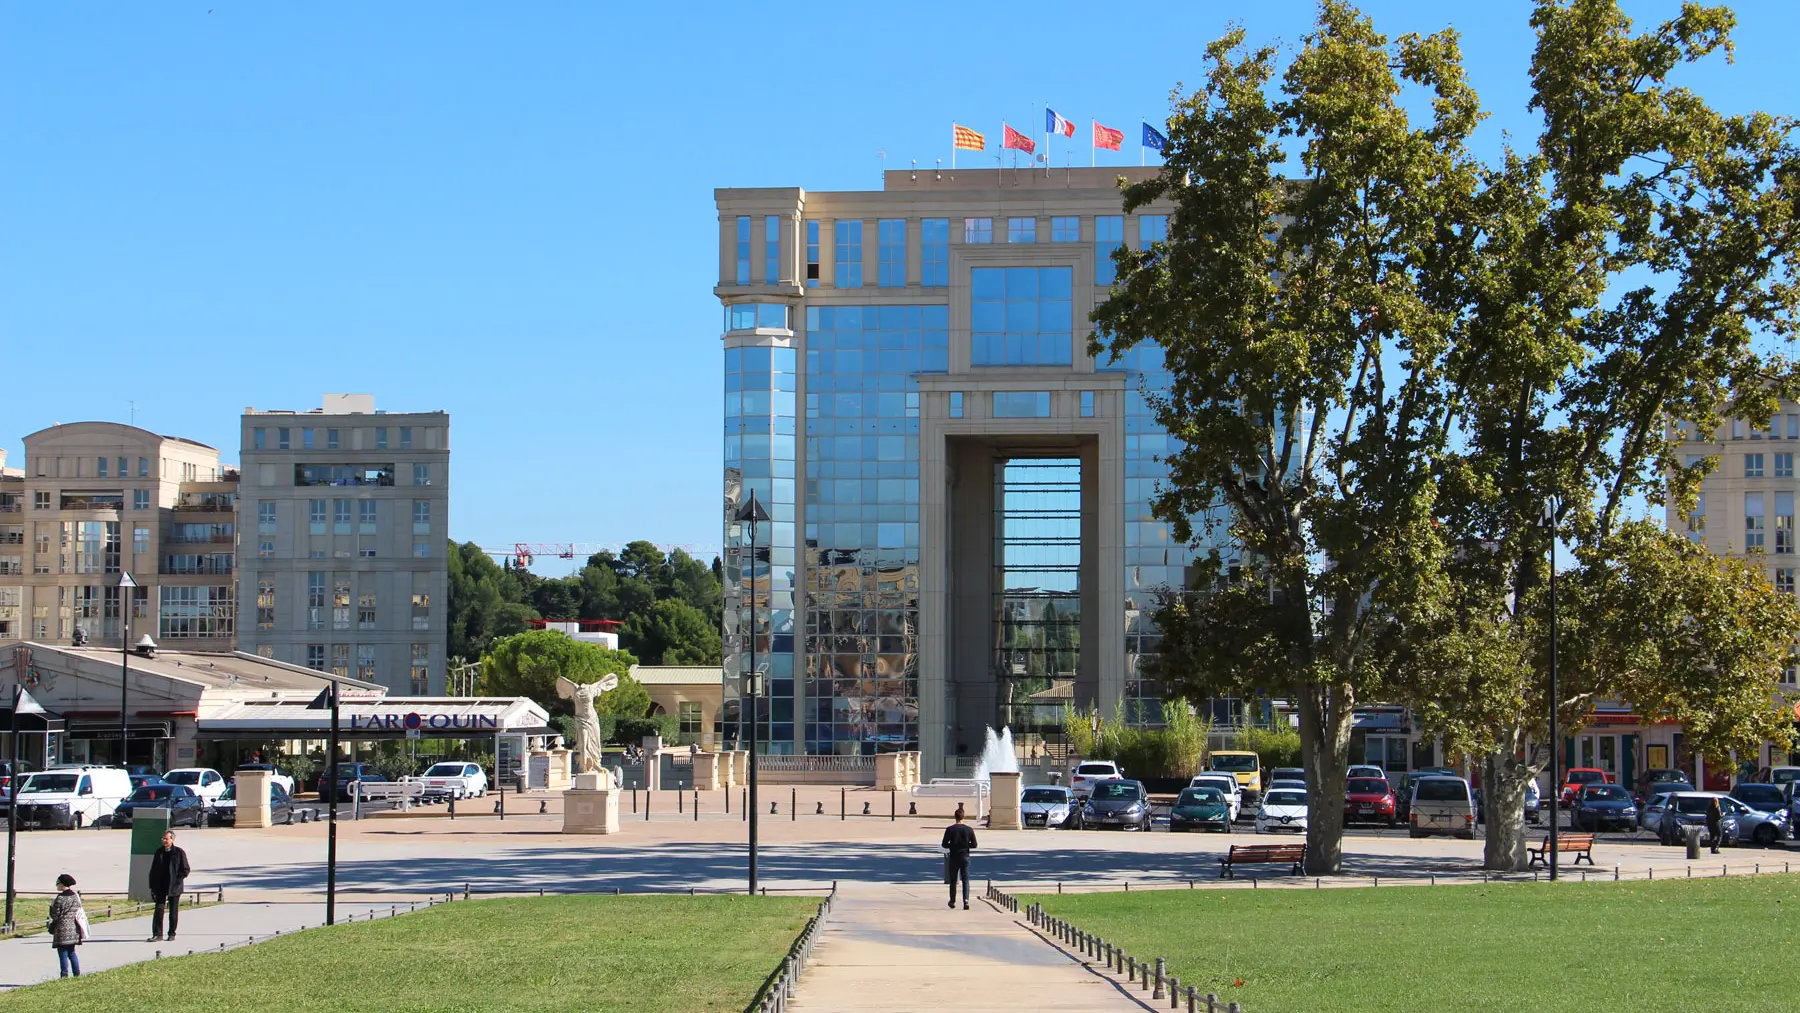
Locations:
505 211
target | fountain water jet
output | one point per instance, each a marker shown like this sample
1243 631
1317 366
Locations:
997 755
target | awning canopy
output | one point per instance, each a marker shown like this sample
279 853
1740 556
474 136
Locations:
391 717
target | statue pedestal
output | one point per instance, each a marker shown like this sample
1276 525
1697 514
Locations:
706 772
253 809
592 806
1003 800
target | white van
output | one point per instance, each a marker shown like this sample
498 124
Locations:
71 796
1442 804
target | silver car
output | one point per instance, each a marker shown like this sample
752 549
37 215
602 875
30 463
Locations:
1047 806
1743 825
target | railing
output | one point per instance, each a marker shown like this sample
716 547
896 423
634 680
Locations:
784 763
203 569
211 508
778 989
202 540
12 508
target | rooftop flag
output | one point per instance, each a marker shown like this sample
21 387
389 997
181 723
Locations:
1108 138
1017 141
1153 139
1054 124
966 139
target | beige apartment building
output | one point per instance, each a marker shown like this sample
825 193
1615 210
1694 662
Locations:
96 500
345 514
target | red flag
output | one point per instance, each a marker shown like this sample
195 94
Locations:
1018 141
1108 138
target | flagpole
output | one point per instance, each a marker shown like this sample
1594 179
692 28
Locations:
1093 145
953 145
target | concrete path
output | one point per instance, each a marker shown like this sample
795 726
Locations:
28 960
900 949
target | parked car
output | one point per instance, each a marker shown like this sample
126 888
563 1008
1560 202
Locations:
1200 809
1089 773
69 796
1369 800
205 781
1761 796
1655 788
1226 784
186 807
1576 777
1778 775
140 780
1441 804
1365 770
1288 784
1243 765
349 773
1603 807
1117 803
1282 809
1662 775
1295 774
1685 808
1048 806
275 776
281 806
455 779
1742 823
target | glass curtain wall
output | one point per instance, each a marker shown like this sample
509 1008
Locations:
1037 598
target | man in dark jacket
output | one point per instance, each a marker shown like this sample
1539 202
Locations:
959 840
168 876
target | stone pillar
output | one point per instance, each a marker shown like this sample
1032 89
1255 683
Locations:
592 806
253 800
653 762
740 766
913 765
559 773
1004 801
889 774
706 772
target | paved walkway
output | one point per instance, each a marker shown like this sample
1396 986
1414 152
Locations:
28 960
900 949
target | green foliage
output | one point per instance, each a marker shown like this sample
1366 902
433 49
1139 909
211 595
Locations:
302 769
1177 749
528 664
393 759
674 633
631 731
1277 747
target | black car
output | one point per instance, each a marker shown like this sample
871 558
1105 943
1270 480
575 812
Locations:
1122 804
1651 789
1602 807
1285 774
346 773
281 806
140 780
184 806
1761 797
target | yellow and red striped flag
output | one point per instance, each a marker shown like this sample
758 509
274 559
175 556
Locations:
966 139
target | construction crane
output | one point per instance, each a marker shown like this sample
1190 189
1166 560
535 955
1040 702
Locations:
523 554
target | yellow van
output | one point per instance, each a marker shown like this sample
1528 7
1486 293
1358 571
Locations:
1245 766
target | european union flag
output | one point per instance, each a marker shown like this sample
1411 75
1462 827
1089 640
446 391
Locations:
1152 139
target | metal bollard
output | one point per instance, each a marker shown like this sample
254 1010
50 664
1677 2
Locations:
774 807
1161 966
865 811
820 811
843 796
793 804
543 806
912 808
1130 967
1174 992
696 805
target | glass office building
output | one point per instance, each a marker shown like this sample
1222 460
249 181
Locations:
957 495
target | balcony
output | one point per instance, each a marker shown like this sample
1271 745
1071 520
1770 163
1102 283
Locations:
226 539
11 506
343 474
218 565
206 505
97 501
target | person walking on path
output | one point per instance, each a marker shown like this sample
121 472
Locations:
959 840
168 875
1714 817
68 925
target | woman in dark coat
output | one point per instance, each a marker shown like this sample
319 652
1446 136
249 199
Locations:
1714 819
65 928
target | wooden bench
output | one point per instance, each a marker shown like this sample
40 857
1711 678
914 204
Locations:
1261 854
1580 845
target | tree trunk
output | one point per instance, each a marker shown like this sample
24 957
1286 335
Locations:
1503 780
1325 719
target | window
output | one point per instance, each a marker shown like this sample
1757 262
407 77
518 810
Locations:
381 438
1021 404
307 436
1784 465
890 233
1021 316
1793 427
1109 235
365 610
315 657
259 438
421 669
1753 465
340 516
315 601
934 252
1152 229
265 548
743 250
140 499
265 518
140 540
315 516
1065 230
688 728
1737 429
1021 230
331 439
978 230
772 249
1696 520
188 613
340 601
40 501
1784 581
1784 523
812 254
143 467
1753 521
421 550
849 254
421 517
265 605
750 315
956 404
340 660
421 611
1087 404
281 438
406 437
102 472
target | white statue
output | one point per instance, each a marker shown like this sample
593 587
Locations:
587 723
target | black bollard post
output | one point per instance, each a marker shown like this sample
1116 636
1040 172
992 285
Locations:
843 796
793 804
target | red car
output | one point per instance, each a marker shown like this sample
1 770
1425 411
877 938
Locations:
1575 778
1368 800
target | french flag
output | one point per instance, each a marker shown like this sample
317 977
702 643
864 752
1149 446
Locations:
1054 124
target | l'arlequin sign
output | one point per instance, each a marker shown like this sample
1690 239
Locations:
414 720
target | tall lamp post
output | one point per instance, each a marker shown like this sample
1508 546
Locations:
22 703
126 584
1553 514
752 513
328 698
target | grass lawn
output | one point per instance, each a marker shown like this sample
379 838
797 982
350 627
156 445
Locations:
638 954
1712 944
32 913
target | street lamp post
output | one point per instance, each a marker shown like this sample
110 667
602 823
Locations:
1553 514
126 584
753 514
329 698
22 703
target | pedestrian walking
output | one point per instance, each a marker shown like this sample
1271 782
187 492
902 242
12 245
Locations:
68 925
168 877
1714 819
959 840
